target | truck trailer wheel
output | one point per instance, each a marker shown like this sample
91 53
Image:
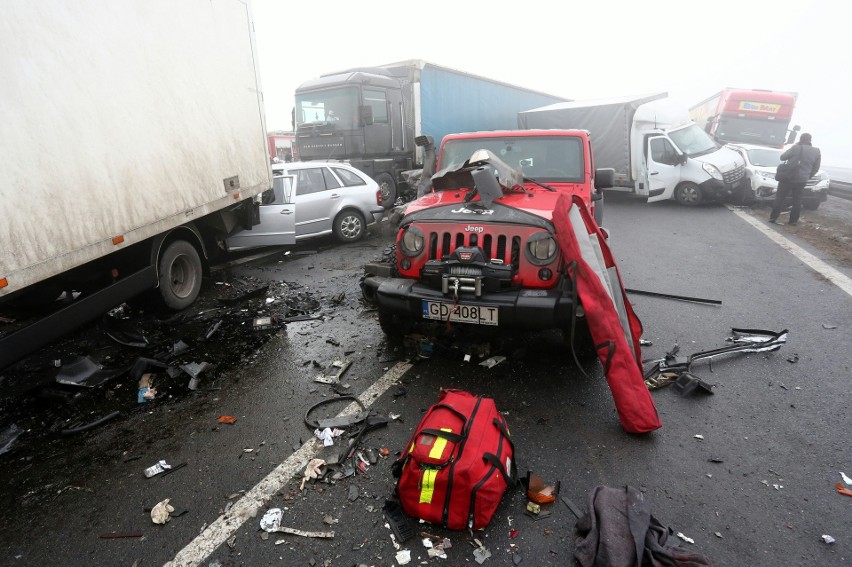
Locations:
388 188
349 226
180 274
689 194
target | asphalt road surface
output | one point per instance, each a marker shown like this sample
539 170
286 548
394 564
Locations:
756 488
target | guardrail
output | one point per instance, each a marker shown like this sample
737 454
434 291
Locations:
841 189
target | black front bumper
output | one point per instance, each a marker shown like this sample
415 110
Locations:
715 190
534 309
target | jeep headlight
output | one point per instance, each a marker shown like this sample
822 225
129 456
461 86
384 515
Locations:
541 248
713 171
412 241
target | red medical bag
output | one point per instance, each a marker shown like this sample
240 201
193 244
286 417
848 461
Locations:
457 464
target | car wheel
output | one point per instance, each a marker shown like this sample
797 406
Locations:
688 194
180 275
388 188
349 226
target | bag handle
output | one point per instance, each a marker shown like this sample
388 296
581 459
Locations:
448 435
510 476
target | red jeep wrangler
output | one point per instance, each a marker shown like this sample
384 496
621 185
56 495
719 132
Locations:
477 247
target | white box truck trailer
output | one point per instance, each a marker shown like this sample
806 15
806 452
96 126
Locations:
133 142
656 150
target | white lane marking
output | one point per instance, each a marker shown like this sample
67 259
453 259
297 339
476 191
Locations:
831 274
255 499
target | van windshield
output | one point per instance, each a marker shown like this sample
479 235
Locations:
693 141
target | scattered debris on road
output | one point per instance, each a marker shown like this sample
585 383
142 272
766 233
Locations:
160 514
157 468
677 370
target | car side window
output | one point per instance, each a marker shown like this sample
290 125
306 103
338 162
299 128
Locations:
310 180
349 178
330 181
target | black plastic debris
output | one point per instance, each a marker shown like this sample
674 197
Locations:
687 384
793 359
398 521
194 369
123 332
178 347
675 297
142 365
91 424
233 300
211 330
85 372
573 507
353 492
8 438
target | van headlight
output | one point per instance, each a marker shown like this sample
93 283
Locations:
412 241
713 171
541 248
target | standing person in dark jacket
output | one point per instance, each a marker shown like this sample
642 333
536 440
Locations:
809 159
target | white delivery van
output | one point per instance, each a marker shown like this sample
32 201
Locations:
655 149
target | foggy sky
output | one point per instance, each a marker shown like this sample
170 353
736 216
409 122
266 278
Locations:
579 51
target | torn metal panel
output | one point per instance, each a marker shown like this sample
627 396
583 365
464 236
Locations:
333 372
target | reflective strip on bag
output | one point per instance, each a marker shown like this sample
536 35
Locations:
440 445
427 485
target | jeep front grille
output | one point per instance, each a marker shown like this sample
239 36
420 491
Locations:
506 249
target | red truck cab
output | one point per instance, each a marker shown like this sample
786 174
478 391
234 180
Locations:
479 248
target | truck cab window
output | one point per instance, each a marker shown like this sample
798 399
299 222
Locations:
662 151
378 101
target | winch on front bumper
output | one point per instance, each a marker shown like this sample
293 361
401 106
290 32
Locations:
465 288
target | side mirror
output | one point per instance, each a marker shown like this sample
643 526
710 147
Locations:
682 159
366 115
604 178
791 137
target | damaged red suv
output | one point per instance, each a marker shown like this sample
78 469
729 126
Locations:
478 246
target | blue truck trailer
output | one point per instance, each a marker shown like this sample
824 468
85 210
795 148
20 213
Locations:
370 116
